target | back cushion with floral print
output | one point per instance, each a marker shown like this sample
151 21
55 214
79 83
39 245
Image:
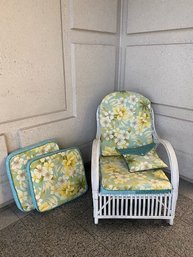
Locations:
125 121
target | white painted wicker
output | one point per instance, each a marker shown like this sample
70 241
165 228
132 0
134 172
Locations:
138 206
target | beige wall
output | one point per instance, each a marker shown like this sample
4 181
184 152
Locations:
157 60
59 58
57 61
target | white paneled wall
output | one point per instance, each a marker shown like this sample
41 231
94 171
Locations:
59 58
158 15
57 62
157 60
100 16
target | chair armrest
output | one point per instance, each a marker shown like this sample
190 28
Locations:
173 163
95 166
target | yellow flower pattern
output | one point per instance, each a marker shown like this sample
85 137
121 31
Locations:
115 176
16 170
69 161
121 112
125 121
144 162
62 180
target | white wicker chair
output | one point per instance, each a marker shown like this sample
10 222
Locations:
134 206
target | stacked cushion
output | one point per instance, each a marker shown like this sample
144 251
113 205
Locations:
43 177
16 170
56 178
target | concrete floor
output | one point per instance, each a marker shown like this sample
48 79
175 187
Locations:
69 231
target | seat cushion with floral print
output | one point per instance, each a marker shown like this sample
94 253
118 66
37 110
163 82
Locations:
115 177
148 161
16 170
56 178
125 122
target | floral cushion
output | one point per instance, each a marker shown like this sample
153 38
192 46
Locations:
144 162
125 122
115 176
16 170
56 178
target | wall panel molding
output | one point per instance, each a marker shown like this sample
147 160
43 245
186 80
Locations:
43 98
109 52
3 154
160 70
87 61
159 15
173 112
162 37
100 16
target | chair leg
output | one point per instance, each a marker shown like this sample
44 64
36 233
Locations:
170 221
95 210
96 221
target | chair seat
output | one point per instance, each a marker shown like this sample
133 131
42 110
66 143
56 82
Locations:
115 177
